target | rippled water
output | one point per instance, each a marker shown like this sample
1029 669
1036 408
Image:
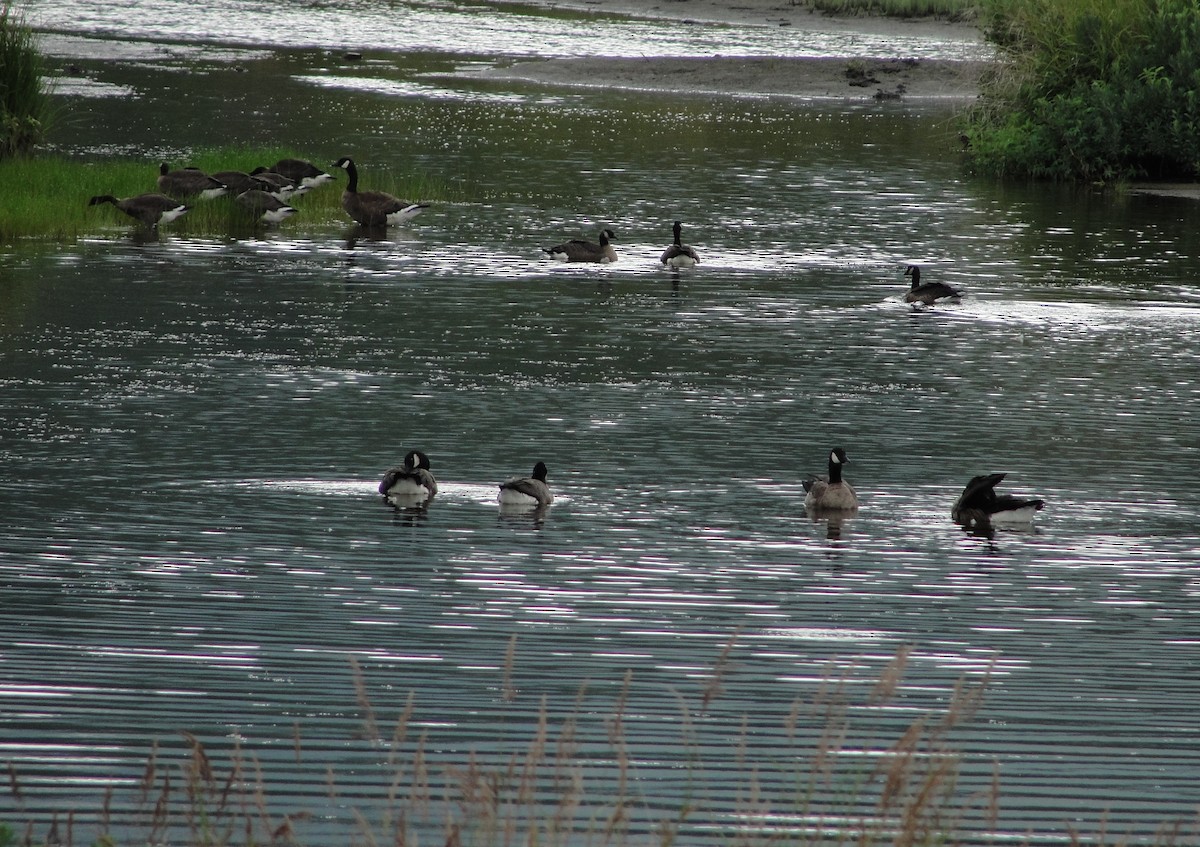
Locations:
194 428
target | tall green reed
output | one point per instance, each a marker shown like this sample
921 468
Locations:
25 106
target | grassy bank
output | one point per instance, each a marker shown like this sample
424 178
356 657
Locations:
46 198
1093 90
953 10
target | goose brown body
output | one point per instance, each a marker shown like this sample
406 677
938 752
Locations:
581 250
150 209
979 506
413 479
832 492
927 293
529 490
679 255
373 208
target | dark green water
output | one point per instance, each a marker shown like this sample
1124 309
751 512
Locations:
193 429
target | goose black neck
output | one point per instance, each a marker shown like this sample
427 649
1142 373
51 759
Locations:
835 471
352 176
916 276
676 229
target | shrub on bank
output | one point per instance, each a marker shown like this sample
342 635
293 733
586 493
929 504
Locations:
24 100
1094 90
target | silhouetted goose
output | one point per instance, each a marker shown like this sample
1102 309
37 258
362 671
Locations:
980 506
302 172
275 183
412 480
527 490
188 182
831 492
579 250
267 207
679 255
374 208
150 209
928 292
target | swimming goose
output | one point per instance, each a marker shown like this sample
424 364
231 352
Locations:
831 492
374 208
679 255
265 206
302 172
188 182
412 480
979 506
150 209
929 292
578 250
527 490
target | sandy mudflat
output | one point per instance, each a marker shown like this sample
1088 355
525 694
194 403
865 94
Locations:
917 81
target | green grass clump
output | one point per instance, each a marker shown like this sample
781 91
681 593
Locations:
47 196
25 108
1094 90
954 10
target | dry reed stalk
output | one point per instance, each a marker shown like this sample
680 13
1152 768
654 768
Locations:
162 805
370 726
920 819
418 794
535 756
14 785
508 691
400 733
891 677
149 774
897 765
106 812
713 687
365 828
792 721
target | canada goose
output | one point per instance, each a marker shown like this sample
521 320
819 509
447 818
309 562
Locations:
679 255
239 182
527 490
578 250
374 208
979 506
302 172
266 206
188 182
276 183
831 492
928 292
150 209
412 480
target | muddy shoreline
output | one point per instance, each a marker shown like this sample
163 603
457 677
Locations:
928 81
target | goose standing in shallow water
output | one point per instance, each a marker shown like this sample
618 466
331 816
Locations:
980 507
579 250
374 208
188 182
412 481
928 292
150 209
527 490
265 206
679 255
831 493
